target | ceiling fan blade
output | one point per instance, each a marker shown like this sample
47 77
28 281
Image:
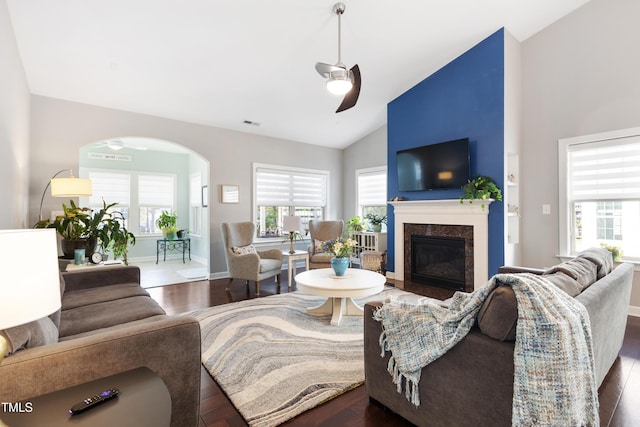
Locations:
351 97
325 70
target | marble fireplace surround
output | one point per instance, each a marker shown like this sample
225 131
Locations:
444 212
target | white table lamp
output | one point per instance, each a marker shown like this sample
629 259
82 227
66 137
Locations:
292 225
30 289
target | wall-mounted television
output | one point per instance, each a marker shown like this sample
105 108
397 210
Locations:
434 167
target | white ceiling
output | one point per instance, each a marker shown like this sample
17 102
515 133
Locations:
220 63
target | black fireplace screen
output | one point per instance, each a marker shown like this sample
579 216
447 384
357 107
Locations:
438 261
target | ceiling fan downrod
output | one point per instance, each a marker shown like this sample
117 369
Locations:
338 8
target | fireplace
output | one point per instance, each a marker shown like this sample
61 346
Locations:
439 255
438 261
442 218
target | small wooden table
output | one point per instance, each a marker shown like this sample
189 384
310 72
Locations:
339 291
291 262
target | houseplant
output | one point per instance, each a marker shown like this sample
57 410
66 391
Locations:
616 252
376 221
111 233
168 223
354 225
481 188
341 249
83 228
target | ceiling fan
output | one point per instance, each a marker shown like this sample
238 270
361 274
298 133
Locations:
117 144
340 80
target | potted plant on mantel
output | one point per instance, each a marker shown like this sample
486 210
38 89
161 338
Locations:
168 223
481 188
81 228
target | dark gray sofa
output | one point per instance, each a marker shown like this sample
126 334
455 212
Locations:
108 324
472 384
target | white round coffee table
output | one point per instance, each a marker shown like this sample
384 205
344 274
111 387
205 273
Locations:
339 291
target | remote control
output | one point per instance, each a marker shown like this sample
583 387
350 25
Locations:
94 401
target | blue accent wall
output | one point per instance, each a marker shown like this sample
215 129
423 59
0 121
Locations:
464 99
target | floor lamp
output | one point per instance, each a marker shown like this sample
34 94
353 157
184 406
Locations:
66 187
28 293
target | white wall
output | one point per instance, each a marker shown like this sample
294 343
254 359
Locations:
14 129
580 76
368 152
60 128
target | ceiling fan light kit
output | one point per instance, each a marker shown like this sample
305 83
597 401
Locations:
340 80
339 84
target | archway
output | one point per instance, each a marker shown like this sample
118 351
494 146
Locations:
146 176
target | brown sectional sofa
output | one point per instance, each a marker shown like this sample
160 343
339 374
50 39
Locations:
472 384
108 324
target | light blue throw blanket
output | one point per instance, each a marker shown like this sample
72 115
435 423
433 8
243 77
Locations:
554 379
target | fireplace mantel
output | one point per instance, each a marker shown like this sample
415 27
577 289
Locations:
447 212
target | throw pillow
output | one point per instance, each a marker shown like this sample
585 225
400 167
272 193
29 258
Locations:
601 257
34 334
243 250
580 269
498 315
318 246
568 284
55 316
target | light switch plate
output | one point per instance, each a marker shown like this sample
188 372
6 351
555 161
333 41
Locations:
546 209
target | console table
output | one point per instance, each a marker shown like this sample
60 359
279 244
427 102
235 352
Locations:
144 401
175 244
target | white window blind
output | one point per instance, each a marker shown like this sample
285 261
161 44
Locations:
195 189
290 188
156 190
113 187
372 188
604 171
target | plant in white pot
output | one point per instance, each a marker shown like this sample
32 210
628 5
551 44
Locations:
376 221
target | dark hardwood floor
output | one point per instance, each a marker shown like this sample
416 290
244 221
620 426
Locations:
619 393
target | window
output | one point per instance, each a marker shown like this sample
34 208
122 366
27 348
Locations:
156 193
600 192
141 196
371 191
281 191
111 187
195 204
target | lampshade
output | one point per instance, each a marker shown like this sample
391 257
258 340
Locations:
292 223
339 86
31 282
70 187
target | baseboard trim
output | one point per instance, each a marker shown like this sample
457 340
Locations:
219 275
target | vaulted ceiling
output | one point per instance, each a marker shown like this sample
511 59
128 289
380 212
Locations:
221 63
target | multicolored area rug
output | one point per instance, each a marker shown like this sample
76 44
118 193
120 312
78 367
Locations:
275 361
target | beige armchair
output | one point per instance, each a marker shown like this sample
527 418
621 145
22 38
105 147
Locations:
320 231
244 261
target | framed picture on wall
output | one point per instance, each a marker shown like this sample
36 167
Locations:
230 194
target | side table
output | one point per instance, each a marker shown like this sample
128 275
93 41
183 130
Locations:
291 262
144 401
179 244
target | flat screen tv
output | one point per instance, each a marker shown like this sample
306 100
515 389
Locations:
434 167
